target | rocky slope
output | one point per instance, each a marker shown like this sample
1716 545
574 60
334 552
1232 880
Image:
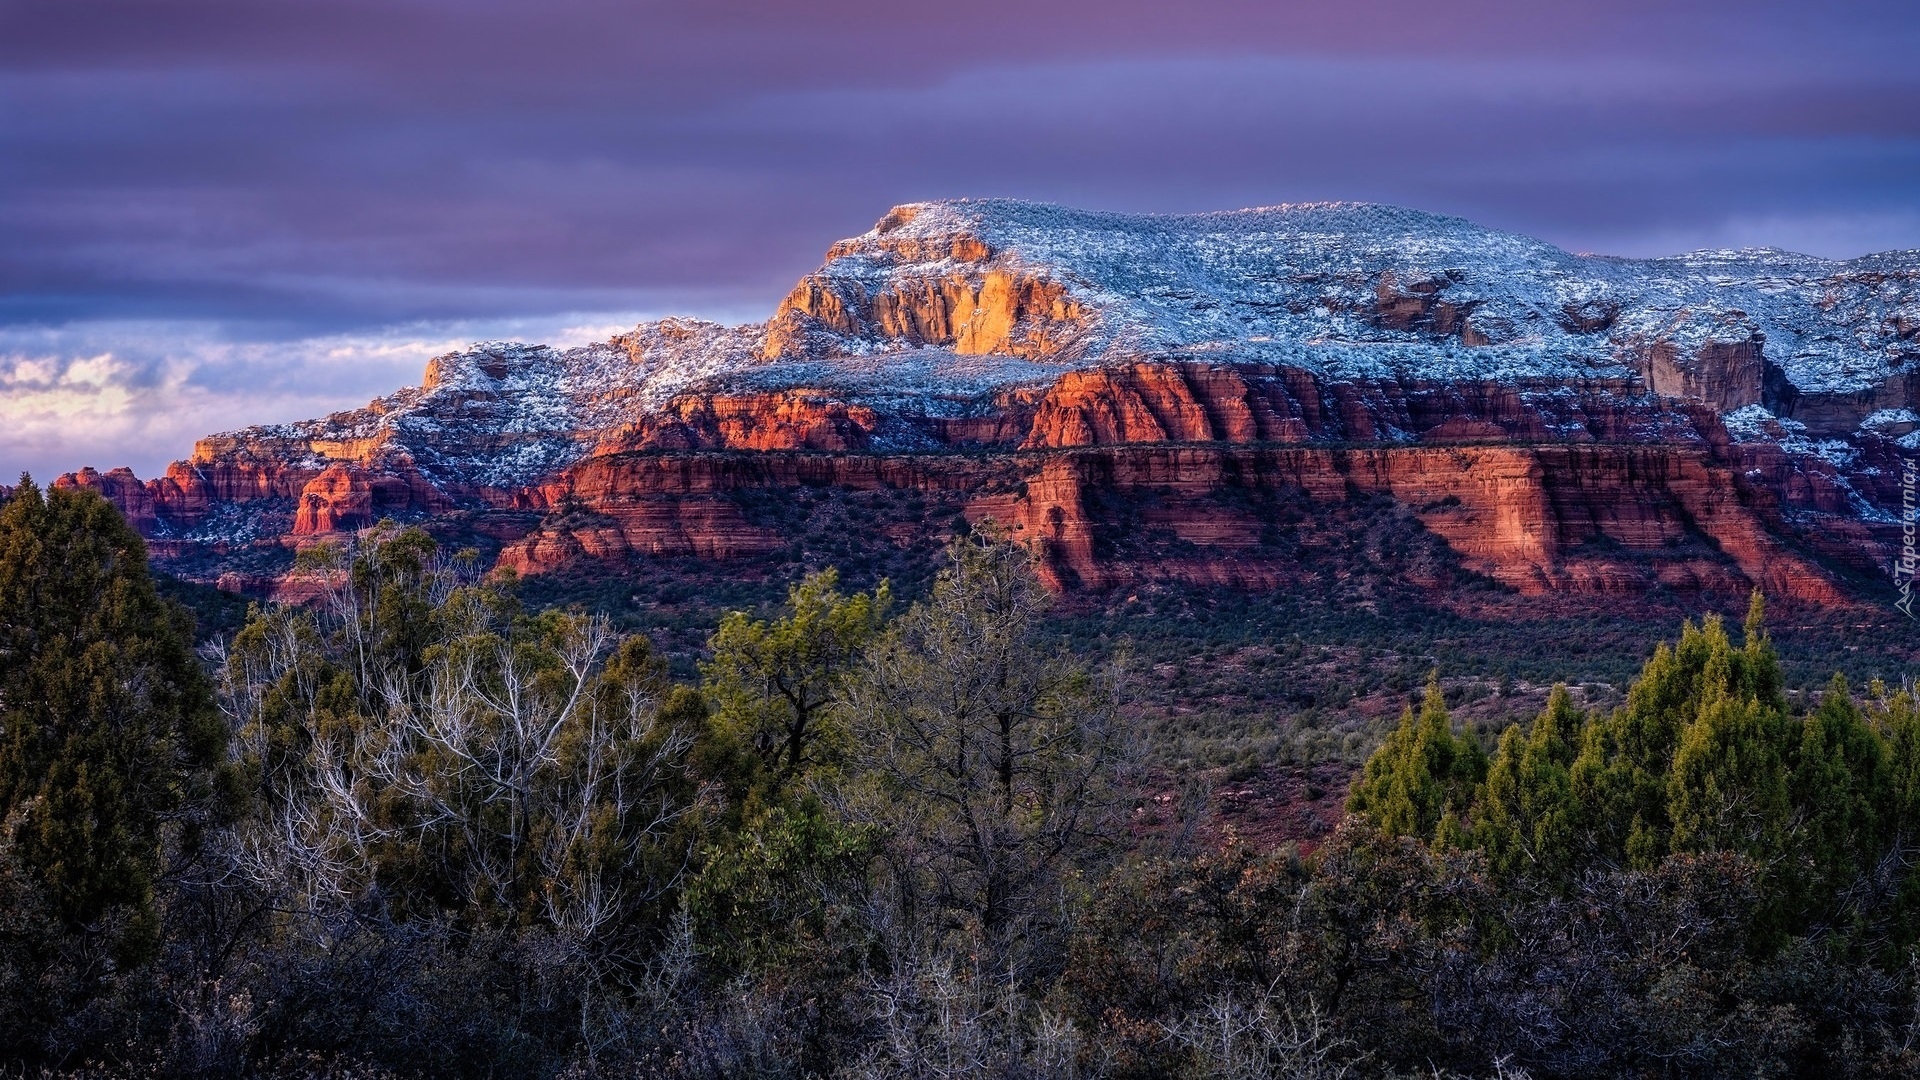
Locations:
1156 397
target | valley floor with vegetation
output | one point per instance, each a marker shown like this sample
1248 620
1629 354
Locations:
919 818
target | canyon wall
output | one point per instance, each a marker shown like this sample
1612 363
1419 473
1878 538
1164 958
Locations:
1602 489
1174 398
1632 494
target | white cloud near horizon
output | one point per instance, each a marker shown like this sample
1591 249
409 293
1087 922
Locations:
138 393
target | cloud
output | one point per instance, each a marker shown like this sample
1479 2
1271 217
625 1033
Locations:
329 191
139 393
230 157
256 210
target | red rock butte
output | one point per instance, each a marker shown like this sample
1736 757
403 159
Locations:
1136 395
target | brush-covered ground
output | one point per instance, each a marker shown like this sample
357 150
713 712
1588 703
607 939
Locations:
1263 703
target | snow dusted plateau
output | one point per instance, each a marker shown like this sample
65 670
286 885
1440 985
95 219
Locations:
1797 373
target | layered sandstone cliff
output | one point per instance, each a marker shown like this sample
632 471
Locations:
1143 394
1631 491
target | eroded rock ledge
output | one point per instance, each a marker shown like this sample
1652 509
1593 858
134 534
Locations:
1141 394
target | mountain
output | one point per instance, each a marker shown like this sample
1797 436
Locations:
1185 398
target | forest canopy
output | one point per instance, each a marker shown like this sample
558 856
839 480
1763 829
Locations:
418 827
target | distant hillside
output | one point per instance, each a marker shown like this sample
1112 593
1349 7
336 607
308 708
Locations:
1153 398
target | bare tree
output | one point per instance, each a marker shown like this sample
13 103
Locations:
945 1019
985 754
521 769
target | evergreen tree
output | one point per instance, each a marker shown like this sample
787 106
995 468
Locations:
1421 781
774 682
1624 777
778 689
1528 821
1842 791
1761 664
1898 716
1728 791
107 725
983 754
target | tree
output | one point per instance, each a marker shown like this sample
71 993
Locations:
1527 820
109 727
773 683
108 743
1423 776
1897 717
779 689
1842 789
1625 779
420 743
1728 791
984 754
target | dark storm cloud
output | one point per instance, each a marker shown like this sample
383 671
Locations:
215 213
339 163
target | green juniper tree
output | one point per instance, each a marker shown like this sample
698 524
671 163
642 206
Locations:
1728 787
109 726
1842 787
1896 717
1704 759
1726 708
1421 782
777 690
108 739
774 684
1527 821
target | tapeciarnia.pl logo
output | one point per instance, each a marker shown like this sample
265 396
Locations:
1903 568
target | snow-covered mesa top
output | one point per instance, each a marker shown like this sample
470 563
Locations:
1300 281
1348 290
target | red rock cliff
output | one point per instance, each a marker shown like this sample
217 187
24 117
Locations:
1151 397
1190 452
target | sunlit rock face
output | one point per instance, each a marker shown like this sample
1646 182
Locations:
1564 423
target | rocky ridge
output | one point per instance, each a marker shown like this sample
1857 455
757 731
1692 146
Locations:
1137 392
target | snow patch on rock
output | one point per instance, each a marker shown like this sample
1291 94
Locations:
1349 291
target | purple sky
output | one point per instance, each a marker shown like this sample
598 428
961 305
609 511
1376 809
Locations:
216 212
